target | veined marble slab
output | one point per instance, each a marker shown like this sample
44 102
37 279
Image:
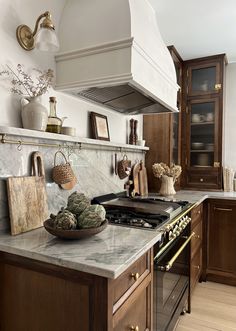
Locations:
200 196
106 254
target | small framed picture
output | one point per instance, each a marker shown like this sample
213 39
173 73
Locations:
99 126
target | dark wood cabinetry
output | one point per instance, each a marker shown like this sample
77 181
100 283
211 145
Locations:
39 296
202 122
162 132
196 246
220 261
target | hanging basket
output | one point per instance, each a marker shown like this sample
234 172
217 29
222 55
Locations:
124 167
62 173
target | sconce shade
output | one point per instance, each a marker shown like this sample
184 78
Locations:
46 40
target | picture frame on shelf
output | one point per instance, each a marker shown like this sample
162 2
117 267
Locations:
99 126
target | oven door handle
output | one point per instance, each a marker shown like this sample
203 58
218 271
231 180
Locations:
169 264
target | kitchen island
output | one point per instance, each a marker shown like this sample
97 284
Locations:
99 283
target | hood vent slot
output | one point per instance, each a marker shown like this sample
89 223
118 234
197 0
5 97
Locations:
123 98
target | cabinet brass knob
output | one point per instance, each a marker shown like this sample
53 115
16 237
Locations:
217 87
201 179
134 328
135 276
199 212
197 267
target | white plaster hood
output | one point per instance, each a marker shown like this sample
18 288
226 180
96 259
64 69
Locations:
112 53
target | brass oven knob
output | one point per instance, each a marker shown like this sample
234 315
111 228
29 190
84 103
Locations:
134 328
135 276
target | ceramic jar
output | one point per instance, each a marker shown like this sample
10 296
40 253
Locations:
34 115
167 186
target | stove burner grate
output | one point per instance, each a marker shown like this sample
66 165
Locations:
135 219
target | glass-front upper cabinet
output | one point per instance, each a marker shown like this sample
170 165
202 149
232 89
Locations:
203 117
204 79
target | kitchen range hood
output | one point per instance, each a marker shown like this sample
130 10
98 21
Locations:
112 54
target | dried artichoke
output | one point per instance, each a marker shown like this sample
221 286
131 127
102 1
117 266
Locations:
65 220
91 217
77 203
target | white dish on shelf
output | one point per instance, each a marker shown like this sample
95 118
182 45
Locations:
197 145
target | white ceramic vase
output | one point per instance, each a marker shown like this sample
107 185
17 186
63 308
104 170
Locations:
167 186
34 115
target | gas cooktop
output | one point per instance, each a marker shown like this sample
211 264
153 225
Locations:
148 213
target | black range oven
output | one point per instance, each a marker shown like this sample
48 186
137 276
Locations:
171 280
171 254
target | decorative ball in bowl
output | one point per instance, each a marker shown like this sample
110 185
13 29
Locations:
73 234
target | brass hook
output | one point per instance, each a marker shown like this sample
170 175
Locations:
19 147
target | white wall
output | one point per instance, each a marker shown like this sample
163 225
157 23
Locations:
229 144
16 12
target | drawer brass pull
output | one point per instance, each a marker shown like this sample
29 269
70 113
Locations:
197 267
134 328
197 236
223 209
135 276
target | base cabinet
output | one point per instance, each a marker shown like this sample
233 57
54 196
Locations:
221 241
36 296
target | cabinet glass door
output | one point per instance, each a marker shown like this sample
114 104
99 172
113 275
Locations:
204 79
203 139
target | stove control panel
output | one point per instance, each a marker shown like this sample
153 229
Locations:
175 229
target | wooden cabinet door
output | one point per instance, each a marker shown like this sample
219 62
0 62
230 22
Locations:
203 143
221 241
204 78
135 314
202 122
162 133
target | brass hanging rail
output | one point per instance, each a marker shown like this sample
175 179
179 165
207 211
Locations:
73 145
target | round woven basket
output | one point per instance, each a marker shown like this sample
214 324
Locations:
62 173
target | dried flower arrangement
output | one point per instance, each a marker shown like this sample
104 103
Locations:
25 85
161 169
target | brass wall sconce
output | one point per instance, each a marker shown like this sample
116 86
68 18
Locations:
44 39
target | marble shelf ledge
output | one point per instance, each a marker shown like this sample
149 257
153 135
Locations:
11 131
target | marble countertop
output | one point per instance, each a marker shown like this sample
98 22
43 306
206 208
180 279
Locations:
106 254
200 196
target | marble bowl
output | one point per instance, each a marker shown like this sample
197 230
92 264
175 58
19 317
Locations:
73 234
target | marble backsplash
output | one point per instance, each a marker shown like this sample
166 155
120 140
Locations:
94 169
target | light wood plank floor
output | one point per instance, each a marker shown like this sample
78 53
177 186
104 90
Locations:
213 309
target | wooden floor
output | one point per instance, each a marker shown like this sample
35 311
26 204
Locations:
213 308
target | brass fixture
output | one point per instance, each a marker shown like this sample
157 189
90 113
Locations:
216 164
44 39
135 276
217 87
134 328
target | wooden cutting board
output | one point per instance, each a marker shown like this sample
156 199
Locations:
135 173
27 198
143 185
